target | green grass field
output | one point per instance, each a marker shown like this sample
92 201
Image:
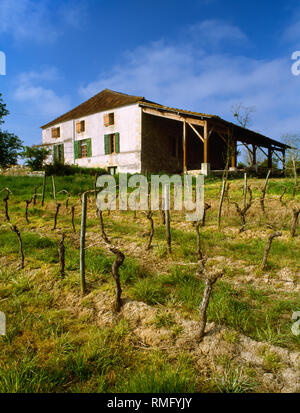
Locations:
59 341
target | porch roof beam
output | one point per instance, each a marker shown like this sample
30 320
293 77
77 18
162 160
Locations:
174 116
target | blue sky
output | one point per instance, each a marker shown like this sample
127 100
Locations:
203 55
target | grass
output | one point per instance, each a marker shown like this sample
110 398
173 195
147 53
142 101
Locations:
234 380
53 342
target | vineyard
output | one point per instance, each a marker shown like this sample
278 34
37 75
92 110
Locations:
66 334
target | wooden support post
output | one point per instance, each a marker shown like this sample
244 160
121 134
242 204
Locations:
44 188
82 243
233 154
245 189
184 146
205 156
167 215
253 155
283 160
269 158
53 188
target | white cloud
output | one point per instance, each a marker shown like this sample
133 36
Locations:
39 99
214 33
186 76
36 20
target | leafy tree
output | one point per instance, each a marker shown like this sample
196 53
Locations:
35 156
264 163
10 144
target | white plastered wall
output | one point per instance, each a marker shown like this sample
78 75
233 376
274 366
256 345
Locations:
127 124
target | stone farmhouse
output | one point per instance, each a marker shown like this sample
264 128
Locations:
125 133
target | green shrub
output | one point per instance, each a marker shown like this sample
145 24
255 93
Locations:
61 169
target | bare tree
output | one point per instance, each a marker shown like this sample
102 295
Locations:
115 270
263 192
34 195
103 233
149 217
56 215
268 246
296 212
293 153
206 208
73 217
28 202
209 280
282 195
5 200
242 212
242 114
16 231
68 196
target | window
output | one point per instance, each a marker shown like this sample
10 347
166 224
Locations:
83 148
112 170
80 126
112 143
58 153
55 132
109 119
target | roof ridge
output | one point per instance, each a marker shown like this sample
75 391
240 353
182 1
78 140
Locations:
120 93
106 99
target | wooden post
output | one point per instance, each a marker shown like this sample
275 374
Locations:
44 188
245 189
82 243
184 146
221 203
205 154
167 215
73 218
283 160
53 188
253 155
269 158
233 155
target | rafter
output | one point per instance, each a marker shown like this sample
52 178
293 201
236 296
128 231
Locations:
195 130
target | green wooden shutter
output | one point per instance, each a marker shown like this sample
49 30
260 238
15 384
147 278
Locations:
61 153
54 154
106 144
76 149
117 142
89 147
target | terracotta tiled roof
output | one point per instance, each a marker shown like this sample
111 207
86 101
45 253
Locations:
105 100
108 99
